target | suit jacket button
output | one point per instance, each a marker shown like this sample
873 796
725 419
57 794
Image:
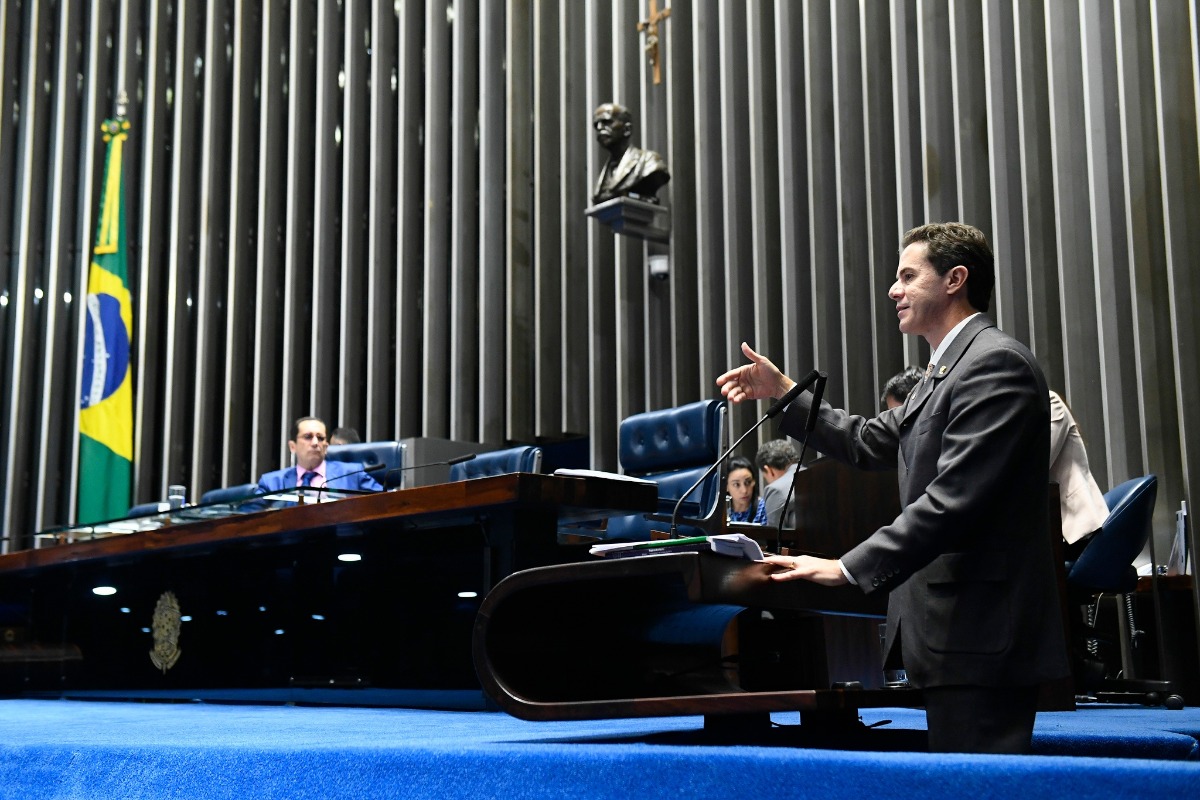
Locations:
875 582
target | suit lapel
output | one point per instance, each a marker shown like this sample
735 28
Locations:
917 397
945 365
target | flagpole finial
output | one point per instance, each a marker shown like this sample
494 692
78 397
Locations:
122 103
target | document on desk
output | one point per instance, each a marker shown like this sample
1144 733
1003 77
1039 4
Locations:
595 473
735 545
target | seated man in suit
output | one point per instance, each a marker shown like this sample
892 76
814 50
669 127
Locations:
896 390
777 460
344 436
308 445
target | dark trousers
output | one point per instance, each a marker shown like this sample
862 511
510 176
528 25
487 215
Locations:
980 719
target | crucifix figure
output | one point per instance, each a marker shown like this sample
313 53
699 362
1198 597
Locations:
650 26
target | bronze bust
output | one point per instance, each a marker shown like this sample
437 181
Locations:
630 171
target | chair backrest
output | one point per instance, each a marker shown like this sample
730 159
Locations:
389 452
672 447
229 494
146 509
526 458
1106 564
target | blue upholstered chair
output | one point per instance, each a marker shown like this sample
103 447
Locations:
526 458
388 452
146 509
1106 564
672 447
229 494
1106 567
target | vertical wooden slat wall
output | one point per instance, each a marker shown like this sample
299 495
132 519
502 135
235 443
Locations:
373 211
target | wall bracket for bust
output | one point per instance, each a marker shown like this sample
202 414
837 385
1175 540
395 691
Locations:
629 216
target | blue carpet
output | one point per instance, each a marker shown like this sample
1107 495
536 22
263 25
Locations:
73 749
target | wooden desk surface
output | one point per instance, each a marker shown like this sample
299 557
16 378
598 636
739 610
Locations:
1170 583
571 499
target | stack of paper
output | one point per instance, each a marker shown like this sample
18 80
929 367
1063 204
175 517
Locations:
595 473
737 545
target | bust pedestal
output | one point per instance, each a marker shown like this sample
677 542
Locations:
629 216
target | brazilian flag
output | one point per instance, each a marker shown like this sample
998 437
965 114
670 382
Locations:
106 390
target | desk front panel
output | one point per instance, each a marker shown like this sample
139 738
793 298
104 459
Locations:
248 605
288 614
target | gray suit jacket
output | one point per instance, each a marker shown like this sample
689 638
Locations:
968 562
774 494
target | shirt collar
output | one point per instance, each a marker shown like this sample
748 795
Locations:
945 345
301 472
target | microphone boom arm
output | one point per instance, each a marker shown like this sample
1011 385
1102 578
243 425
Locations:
776 407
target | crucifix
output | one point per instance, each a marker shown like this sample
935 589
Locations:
650 26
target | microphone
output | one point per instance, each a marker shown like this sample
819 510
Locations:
818 392
809 424
785 401
447 463
778 406
368 468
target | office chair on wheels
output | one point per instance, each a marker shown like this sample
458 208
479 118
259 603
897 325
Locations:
1106 567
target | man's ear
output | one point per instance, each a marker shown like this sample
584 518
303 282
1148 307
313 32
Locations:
956 279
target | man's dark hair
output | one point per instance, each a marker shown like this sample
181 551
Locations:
298 422
345 435
777 454
900 384
950 244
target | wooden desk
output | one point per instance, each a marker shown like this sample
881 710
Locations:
1169 653
838 506
706 635
265 604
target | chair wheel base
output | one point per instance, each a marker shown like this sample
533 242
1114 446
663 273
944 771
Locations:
1171 701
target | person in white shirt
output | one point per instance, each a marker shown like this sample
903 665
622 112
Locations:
1081 503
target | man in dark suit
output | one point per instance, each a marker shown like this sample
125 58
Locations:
308 445
973 614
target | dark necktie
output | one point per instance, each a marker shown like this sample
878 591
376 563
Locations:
307 479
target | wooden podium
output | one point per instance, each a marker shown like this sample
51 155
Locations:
698 633
671 634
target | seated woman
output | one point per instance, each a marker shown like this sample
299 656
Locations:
744 503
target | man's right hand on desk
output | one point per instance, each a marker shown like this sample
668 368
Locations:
825 571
